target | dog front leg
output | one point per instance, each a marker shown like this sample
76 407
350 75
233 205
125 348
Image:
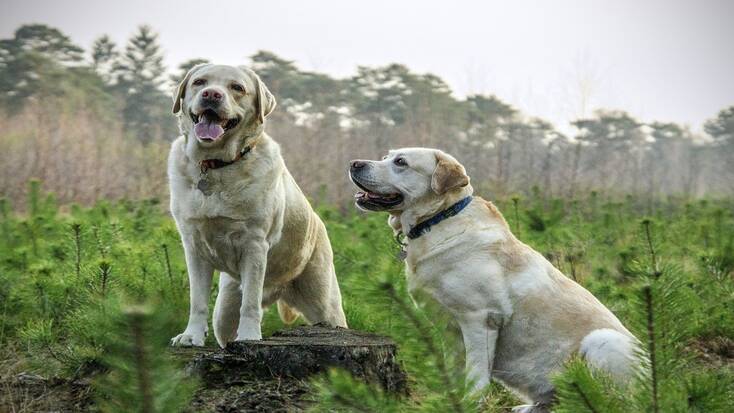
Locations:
200 283
252 280
479 343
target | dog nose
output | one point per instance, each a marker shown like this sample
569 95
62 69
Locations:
212 94
355 165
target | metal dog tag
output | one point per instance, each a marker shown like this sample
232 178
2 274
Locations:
402 253
204 186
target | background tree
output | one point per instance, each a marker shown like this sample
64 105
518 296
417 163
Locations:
104 58
141 81
48 42
721 129
52 100
33 62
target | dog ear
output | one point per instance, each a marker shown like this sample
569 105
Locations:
181 90
264 100
449 174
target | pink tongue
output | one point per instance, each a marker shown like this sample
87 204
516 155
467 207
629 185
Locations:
208 130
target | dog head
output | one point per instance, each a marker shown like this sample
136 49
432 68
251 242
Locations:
408 178
215 102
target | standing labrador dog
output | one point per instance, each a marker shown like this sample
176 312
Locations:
239 211
520 317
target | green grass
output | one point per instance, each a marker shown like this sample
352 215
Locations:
67 279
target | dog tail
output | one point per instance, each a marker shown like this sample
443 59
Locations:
287 313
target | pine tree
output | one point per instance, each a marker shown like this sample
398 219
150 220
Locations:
140 79
49 42
721 128
104 57
33 62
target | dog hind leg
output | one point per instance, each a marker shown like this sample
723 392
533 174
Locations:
287 313
315 293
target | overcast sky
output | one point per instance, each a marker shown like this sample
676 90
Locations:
669 60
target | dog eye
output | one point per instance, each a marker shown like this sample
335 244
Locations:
400 162
199 82
237 87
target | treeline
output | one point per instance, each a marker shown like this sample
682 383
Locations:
95 123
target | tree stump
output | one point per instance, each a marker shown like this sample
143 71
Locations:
270 374
250 376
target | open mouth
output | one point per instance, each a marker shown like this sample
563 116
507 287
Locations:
209 126
376 201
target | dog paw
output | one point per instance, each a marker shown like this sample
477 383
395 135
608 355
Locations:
187 340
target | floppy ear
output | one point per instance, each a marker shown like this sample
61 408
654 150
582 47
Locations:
264 100
181 90
449 174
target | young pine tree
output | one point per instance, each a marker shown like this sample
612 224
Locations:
142 376
662 309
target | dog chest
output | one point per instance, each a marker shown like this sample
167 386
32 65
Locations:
221 241
460 282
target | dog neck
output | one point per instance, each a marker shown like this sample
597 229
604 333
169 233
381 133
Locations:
403 221
227 151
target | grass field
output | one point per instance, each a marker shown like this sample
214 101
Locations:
72 280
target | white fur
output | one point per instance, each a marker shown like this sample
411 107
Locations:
611 351
257 227
520 317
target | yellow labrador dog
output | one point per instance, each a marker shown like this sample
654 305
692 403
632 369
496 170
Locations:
239 211
520 317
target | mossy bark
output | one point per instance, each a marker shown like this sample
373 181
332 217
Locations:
302 352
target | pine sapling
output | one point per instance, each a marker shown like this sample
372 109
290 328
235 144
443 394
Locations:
136 320
34 194
141 375
422 329
581 388
167 262
646 225
105 269
515 206
652 353
102 246
662 319
76 228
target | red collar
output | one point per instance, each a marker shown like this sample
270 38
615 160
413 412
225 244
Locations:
208 164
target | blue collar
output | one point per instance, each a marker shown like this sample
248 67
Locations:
449 212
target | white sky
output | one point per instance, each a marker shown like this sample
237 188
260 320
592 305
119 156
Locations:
668 60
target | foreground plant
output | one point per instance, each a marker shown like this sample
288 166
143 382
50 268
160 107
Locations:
663 313
142 375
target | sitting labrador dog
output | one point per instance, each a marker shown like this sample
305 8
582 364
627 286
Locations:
239 211
519 316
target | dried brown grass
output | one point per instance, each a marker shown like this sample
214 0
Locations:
78 156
